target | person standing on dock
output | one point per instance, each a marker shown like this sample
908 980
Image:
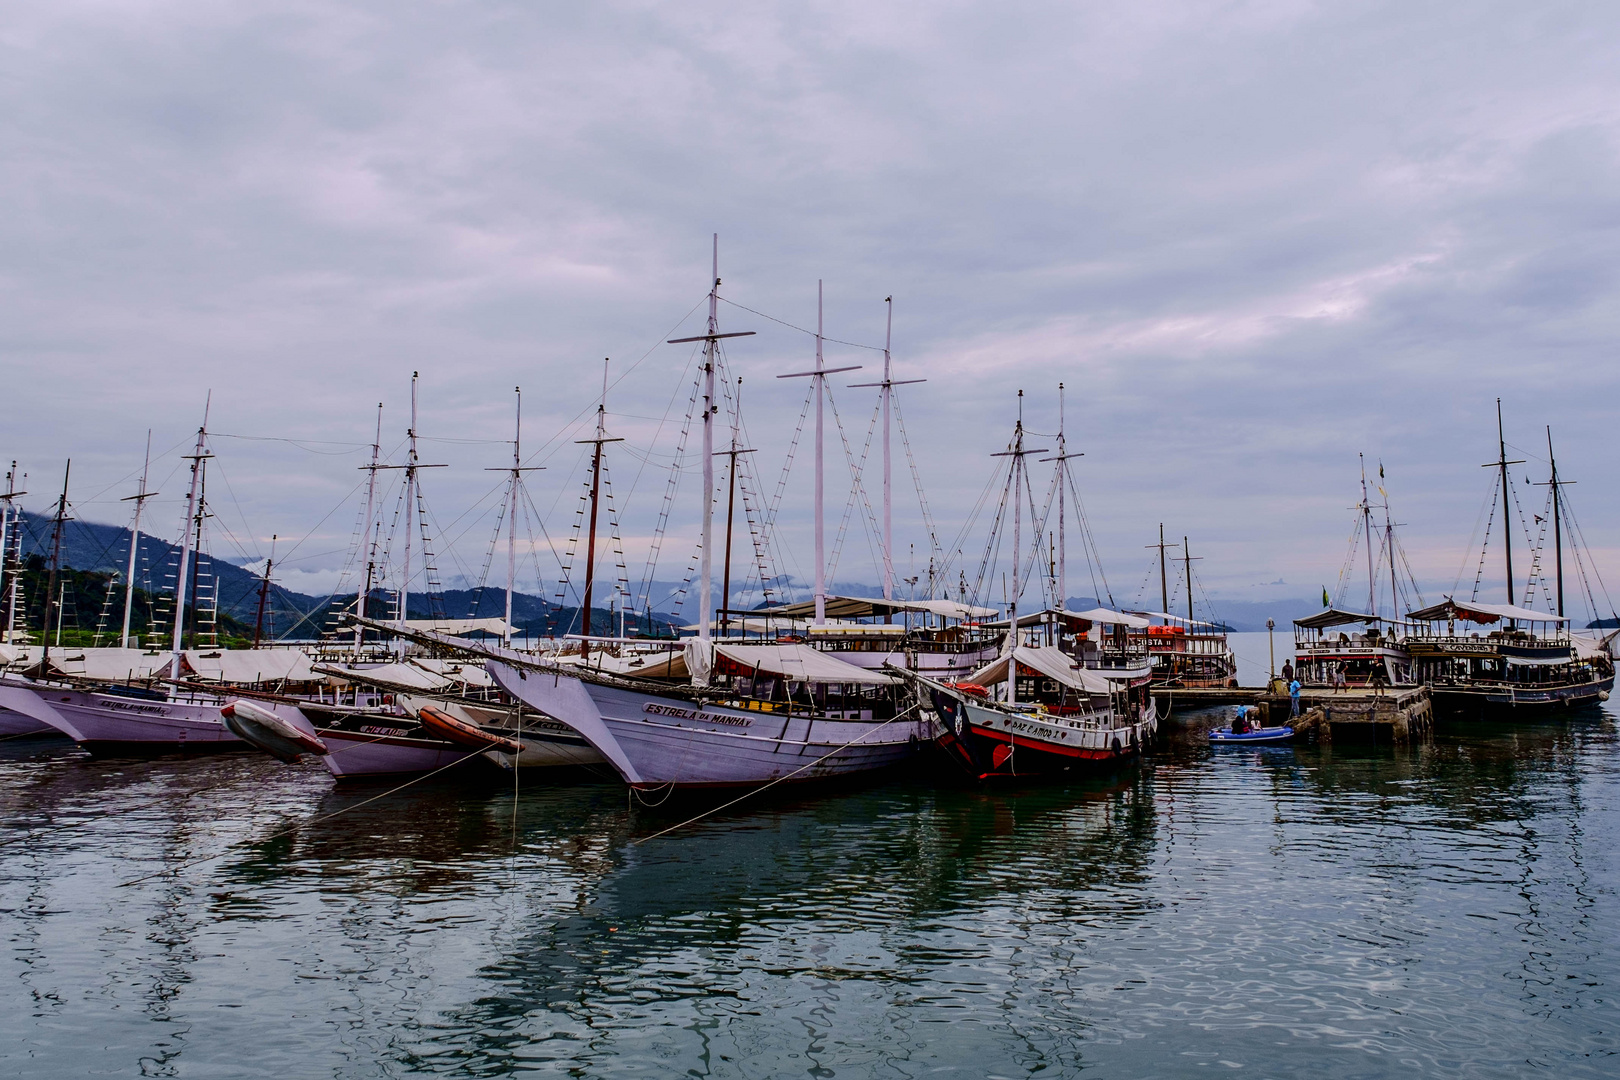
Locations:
1293 699
1287 672
1379 680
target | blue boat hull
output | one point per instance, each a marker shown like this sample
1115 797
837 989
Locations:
1263 735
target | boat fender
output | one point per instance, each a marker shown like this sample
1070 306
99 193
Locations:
1117 747
458 731
261 727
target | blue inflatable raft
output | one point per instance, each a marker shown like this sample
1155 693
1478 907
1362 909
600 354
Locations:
1253 735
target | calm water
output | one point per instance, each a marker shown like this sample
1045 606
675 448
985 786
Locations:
1451 911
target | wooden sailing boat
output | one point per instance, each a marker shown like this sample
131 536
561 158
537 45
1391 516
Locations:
751 713
1052 713
1519 662
1187 654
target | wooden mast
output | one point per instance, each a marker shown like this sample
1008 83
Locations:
139 498
51 597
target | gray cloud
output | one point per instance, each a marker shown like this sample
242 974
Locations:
1252 240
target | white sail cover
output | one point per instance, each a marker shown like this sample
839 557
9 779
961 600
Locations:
1051 662
664 664
799 663
245 667
108 665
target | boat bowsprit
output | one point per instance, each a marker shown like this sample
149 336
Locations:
281 737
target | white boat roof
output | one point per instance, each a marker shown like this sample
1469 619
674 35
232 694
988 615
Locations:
108 665
870 607
1050 661
246 666
1181 619
1477 612
462 627
799 663
1117 618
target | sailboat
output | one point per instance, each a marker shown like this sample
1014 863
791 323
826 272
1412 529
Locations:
1519 661
1187 654
1052 714
752 713
1342 647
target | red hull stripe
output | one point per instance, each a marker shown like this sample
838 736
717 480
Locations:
1046 747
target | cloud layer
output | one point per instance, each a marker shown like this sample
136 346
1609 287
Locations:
1252 240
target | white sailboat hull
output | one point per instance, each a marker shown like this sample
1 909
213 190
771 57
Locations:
102 722
656 741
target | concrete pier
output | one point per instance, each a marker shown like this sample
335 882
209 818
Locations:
1399 717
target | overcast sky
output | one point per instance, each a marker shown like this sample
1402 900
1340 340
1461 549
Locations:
1252 239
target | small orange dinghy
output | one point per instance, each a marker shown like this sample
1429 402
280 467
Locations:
460 732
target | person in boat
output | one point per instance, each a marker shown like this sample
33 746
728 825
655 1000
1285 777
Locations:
1240 720
1293 699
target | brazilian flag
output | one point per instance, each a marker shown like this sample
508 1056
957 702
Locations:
1325 601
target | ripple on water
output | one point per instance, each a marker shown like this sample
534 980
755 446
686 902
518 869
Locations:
1282 912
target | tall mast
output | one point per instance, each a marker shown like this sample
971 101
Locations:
410 510
706 532
1017 550
1164 581
710 407
1558 535
1366 521
1015 484
1187 556
1389 545
1063 543
596 491
731 506
1062 459
139 498
368 544
511 515
196 457
818 379
8 539
1502 463
886 390
264 593
52 598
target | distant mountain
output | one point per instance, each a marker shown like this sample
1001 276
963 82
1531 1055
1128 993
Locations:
103 549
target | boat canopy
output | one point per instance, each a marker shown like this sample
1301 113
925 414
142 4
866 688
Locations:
1449 610
395 676
799 663
664 664
248 666
1334 617
871 607
1115 618
108 665
1182 620
462 671
463 627
1051 662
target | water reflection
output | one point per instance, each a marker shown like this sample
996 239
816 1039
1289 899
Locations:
1295 910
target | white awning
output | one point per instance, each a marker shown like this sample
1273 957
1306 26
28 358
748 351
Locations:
1051 662
868 607
392 676
1116 618
664 664
457 671
108 665
799 663
248 666
1474 612
461 627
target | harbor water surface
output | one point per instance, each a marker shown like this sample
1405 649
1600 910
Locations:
1441 911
